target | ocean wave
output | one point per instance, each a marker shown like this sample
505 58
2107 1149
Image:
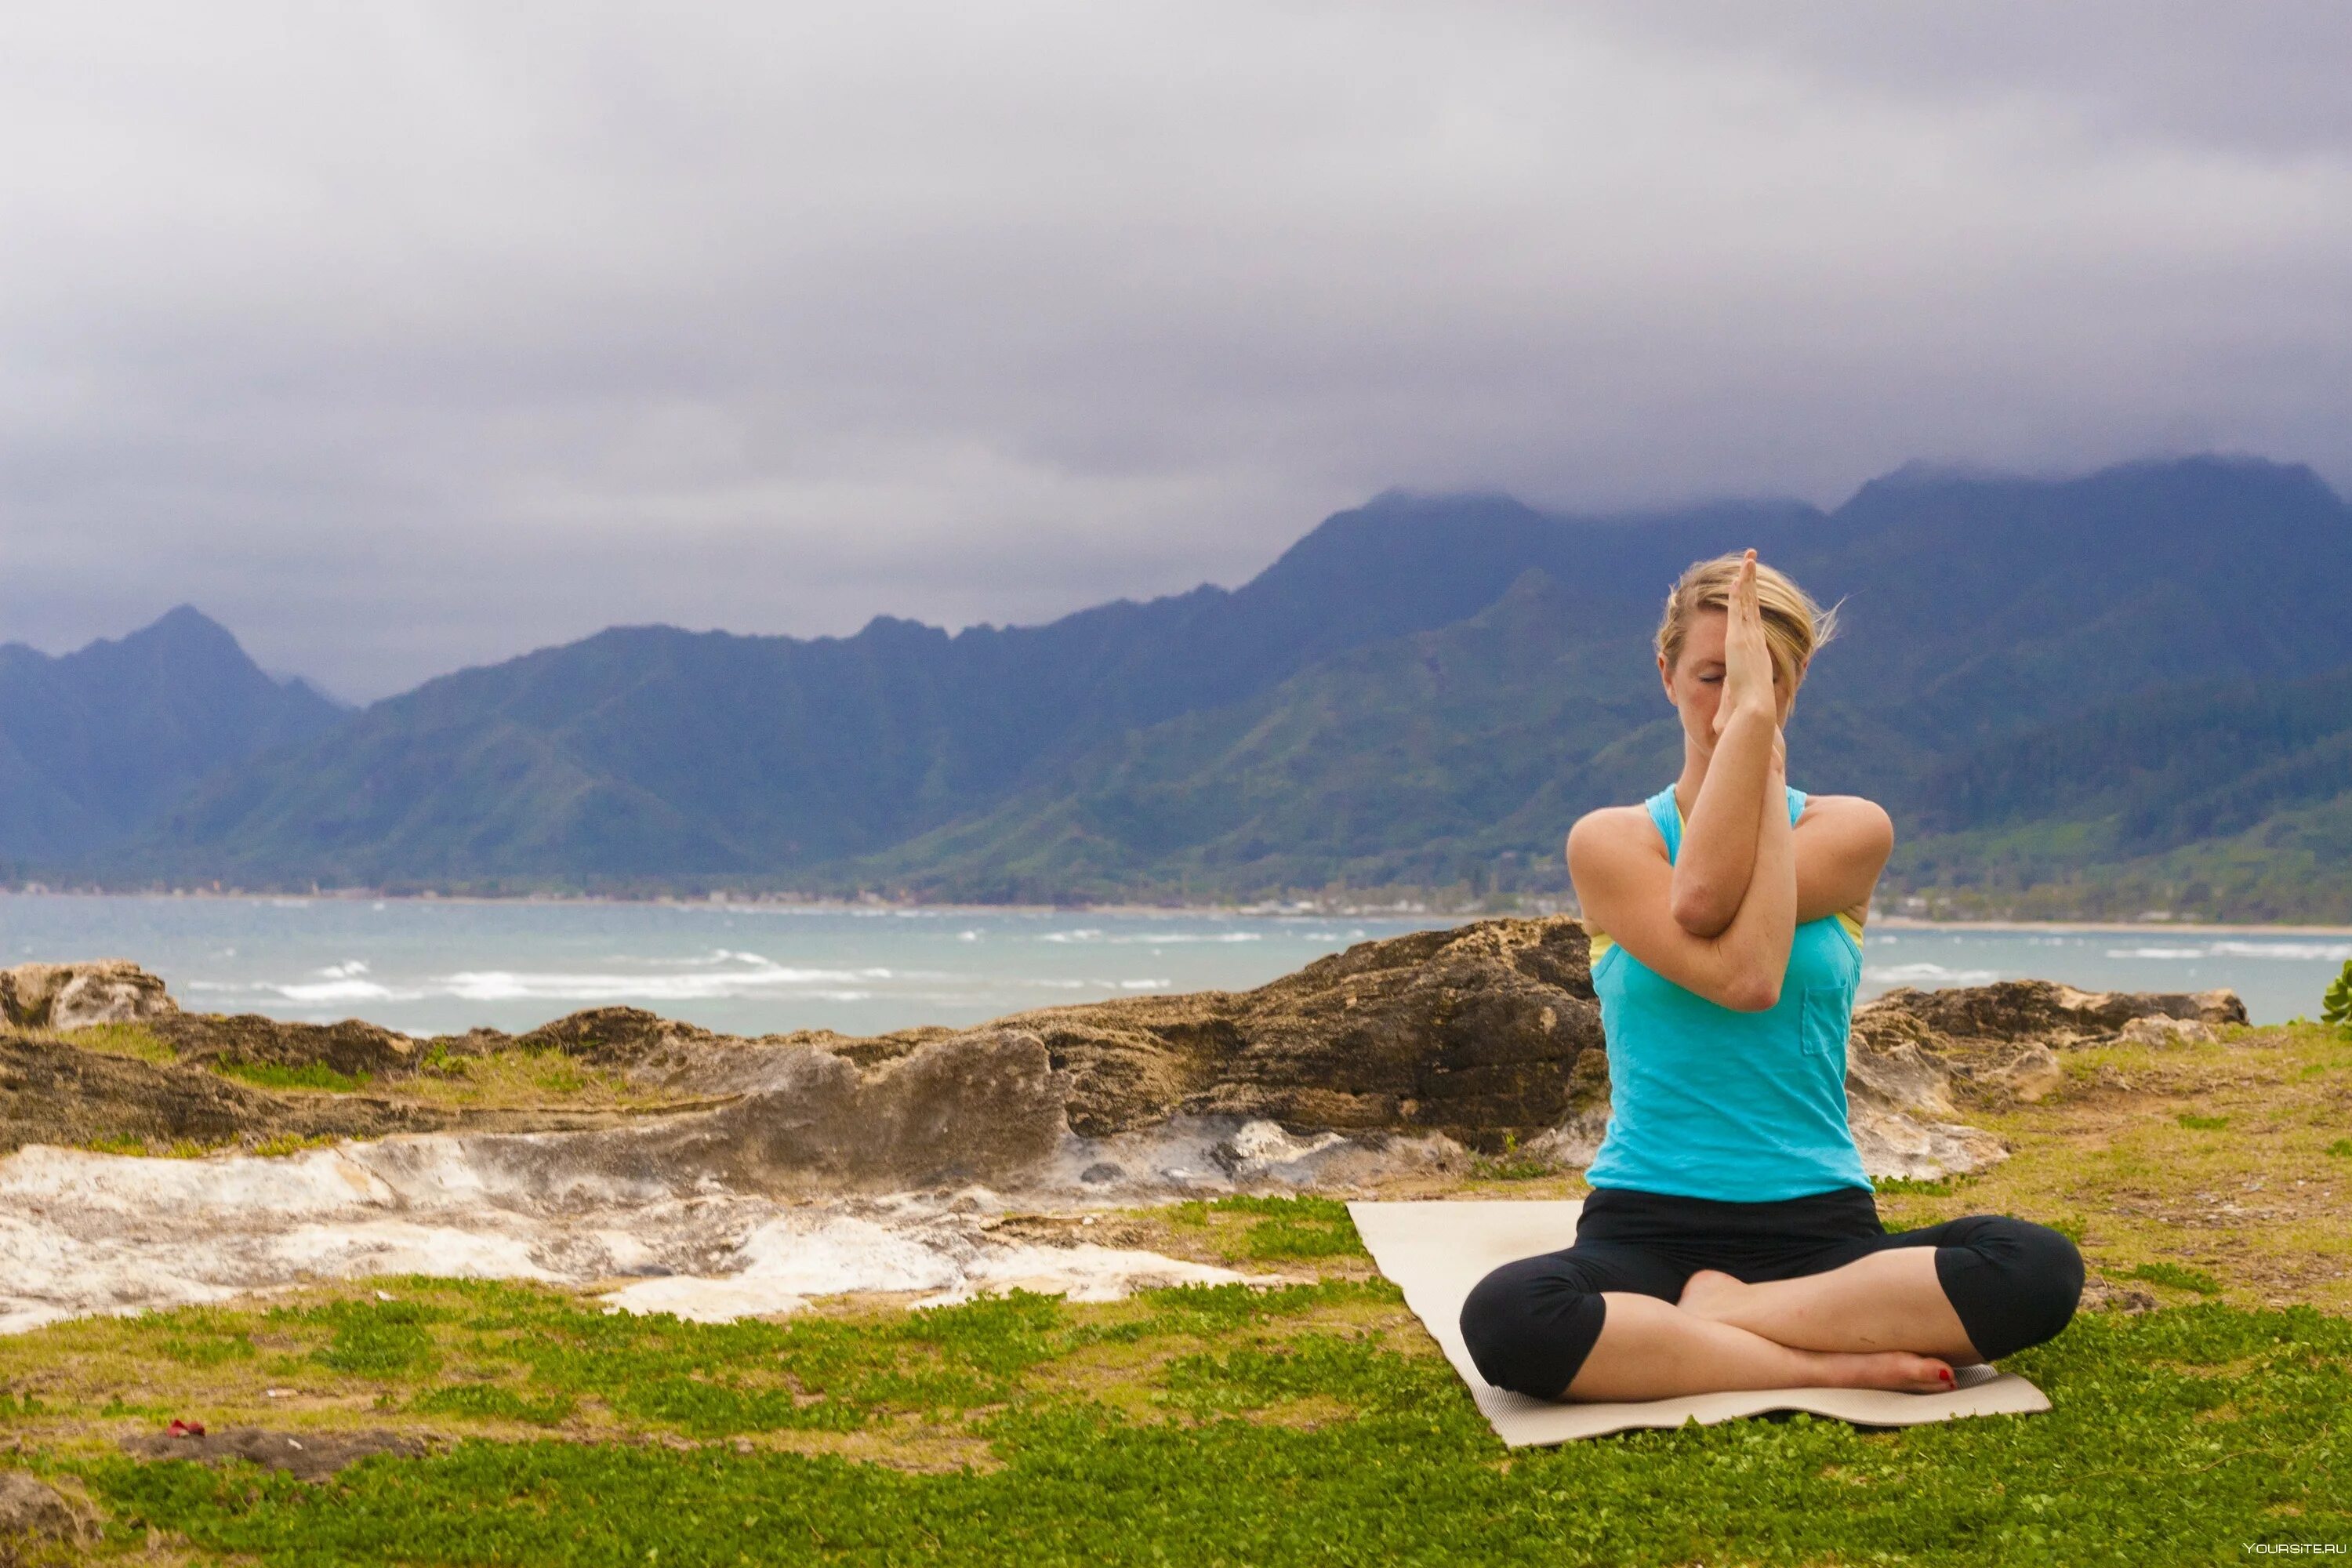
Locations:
1912 974
514 986
2159 952
1156 939
2302 951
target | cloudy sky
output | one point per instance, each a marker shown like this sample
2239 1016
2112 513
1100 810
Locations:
401 337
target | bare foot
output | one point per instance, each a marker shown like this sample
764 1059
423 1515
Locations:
1897 1370
1711 1293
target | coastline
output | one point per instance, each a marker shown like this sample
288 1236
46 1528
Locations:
1912 922
1269 909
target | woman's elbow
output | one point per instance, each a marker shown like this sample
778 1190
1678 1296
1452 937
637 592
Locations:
1752 993
1699 913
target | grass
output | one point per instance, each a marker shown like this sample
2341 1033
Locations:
1306 1425
517 1078
117 1040
1511 1166
1270 1229
2178 1277
308 1075
1310 1422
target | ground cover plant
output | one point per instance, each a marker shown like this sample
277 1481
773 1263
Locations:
2199 1398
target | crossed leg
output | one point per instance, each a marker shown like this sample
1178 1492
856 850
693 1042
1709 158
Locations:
1650 1348
1883 1300
1606 1320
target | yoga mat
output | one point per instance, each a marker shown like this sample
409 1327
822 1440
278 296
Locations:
1437 1251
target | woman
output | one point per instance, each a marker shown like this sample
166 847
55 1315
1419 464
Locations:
1731 1239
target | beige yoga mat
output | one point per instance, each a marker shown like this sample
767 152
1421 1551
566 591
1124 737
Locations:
1437 1251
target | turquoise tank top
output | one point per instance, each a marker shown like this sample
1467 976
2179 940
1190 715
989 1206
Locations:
1707 1102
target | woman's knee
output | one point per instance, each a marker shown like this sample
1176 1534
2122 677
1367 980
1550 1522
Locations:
2015 1283
1529 1325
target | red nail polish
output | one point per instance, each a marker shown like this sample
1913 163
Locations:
1945 1373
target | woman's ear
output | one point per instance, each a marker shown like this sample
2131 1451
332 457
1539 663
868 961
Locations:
1666 679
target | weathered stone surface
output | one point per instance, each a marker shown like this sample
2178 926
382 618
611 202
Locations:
2103 1295
2165 1031
308 1455
984 1106
75 996
1474 1032
52 1093
2033 1074
33 1512
350 1047
1998 1044
1486 1034
2018 1012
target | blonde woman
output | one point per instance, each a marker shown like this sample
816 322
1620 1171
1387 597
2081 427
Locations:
1731 1239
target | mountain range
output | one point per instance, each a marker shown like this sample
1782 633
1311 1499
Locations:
2111 694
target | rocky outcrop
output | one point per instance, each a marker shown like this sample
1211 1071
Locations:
74 995
2000 1044
311 1455
1486 1037
2014 1012
37 1520
51 1093
986 1106
1474 1032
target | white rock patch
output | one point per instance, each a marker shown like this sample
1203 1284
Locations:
83 1234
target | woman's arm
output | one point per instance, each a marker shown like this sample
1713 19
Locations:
1843 844
1717 856
1719 849
1623 882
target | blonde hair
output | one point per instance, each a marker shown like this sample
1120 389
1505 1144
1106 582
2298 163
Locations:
1795 627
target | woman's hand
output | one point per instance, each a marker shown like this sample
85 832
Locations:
1747 656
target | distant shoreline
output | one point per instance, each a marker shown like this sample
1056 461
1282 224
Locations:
1253 911
1912 922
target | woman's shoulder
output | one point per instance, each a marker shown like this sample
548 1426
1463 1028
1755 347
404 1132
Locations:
1848 813
1615 826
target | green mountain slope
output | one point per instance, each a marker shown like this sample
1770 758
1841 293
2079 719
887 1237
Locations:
95 743
2052 685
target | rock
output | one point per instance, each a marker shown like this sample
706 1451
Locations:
982 1105
52 1093
1899 1078
75 996
1894 1144
1972 1034
2104 1295
306 1456
1899 1109
2024 1011
350 1047
31 1510
1474 1033
2166 1031
2033 1074
1481 1037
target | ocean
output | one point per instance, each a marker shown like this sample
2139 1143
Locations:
428 966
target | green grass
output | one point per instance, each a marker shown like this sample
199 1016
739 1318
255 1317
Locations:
2179 1277
1272 1228
2203 1123
2341 1149
2175 1436
309 1075
1940 1188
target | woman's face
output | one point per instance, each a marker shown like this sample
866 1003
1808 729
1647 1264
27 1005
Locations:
1695 685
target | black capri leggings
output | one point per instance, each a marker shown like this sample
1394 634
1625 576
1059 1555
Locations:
1529 1325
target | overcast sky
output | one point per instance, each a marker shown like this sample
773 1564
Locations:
403 337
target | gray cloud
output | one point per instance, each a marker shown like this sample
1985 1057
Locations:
415 337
